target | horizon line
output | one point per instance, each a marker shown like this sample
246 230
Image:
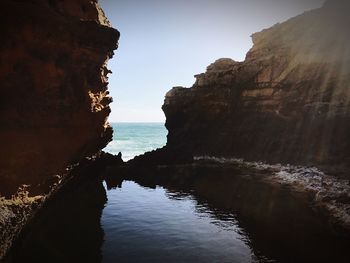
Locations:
136 121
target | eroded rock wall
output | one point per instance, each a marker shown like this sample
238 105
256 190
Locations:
289 101
54 99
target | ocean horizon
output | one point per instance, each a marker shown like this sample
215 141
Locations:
135 138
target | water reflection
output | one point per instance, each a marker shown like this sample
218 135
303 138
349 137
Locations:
68 229
200 214
145 225
276 223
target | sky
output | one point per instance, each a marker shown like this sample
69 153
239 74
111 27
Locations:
165 43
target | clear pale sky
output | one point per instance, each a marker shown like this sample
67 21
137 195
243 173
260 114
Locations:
164 43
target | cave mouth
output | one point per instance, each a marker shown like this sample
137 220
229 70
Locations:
162 46
161 209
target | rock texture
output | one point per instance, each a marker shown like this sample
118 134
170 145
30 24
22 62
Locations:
54 99
289 101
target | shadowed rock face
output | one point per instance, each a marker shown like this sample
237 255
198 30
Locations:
289 101
54 99
53 76
68 228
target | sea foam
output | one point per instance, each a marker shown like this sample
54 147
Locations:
329 192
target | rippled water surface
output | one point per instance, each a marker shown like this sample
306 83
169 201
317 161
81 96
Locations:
153 225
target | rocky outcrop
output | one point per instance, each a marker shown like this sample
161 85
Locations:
68 227
289 101
54 98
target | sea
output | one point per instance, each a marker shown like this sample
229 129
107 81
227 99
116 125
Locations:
224 217
132 139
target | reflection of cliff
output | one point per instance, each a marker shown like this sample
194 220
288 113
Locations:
278 221
68 228
275 219
288 101
54 98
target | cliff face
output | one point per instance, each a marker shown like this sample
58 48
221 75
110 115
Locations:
54 99
53 77
289 101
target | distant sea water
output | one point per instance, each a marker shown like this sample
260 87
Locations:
132 139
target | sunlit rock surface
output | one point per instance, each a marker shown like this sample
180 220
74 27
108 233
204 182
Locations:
289 101
54 98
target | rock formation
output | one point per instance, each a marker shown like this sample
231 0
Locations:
289 101
54 101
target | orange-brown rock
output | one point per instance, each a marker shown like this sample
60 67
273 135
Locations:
54 99
289 101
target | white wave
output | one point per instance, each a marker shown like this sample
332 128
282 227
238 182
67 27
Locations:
329 191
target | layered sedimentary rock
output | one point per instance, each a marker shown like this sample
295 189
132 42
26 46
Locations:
54 99
289 101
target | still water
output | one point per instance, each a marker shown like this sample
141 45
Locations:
153 225
220 216
215 214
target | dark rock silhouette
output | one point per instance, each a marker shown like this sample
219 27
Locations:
54 99
68 227
289 101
